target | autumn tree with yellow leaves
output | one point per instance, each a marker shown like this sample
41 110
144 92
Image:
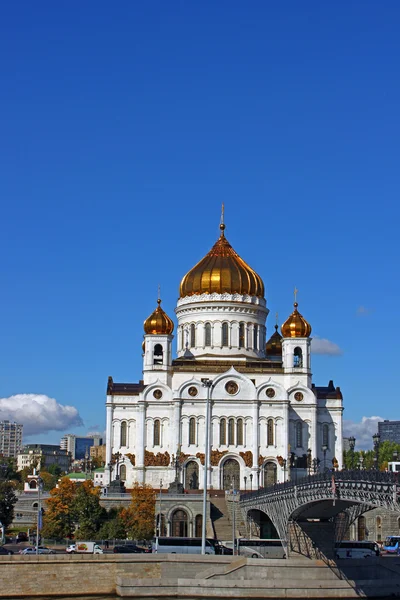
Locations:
138 518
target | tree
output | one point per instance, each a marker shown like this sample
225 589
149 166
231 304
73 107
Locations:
7 501
87 510
49 481
139 516
59 519
54 470
114 527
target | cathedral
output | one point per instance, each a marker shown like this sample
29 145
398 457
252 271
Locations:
250 395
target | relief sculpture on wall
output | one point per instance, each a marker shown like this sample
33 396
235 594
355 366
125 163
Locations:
132 458
201 457
247 457
156 460
216 456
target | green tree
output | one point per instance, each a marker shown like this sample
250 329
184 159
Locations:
7 501
59 521
55 470
87 510
139 516
114 527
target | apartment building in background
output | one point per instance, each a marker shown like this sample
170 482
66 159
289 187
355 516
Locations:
10 438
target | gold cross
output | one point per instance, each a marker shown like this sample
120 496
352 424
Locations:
296 291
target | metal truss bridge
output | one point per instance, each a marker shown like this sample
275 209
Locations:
336 499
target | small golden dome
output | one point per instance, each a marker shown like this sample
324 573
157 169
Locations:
222 271
158 322
274 345
296 325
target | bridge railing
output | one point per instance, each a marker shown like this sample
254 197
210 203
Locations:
353 475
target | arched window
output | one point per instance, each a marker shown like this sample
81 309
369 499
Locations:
270 432
158 354
192 335
122 473
157 431
123 433
222 432
231 432
241 335
299 434
239 432
325 435
207 334
298 357
192 430
225 334
255 341
32 485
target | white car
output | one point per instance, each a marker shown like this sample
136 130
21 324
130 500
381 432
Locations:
71 549
41 550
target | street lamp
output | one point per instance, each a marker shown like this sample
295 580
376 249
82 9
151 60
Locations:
207 383
360 462
251 482
376 439
309 461
233 515
245 483
159 514
352 445
284 470
324 450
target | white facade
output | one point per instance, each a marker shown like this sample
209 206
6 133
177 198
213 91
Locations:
268 421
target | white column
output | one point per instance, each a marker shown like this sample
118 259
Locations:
176 431
109 437
255 443
140 438
314 432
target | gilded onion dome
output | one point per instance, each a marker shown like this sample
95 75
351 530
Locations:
274 345
158 322
296 325
222 271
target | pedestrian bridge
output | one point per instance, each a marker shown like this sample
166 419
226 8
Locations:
309 515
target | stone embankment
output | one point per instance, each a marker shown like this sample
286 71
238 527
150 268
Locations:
194 577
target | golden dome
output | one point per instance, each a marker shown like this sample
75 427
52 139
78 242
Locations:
296 325
158 322
222 271
274 345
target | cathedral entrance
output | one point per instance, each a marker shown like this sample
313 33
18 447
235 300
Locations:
231 475
270 474
192 475
179 524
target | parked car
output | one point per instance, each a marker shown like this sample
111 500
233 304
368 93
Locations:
41 550
128 548
5 550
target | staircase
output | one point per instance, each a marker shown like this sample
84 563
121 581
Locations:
222 510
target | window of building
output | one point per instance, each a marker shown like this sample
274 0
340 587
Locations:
123 433
299 434
222 432
192 335
207 334
157 432
270 432
158 354
239 432
325 435
241 335
298 357
225 334
231 432
192 430
122 473
255 341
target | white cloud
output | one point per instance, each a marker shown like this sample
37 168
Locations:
38 413
362 431
324 346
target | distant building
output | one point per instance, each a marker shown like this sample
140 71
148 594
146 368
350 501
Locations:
98 452
10 438
389 431
43 456
77 446
79 477
99 477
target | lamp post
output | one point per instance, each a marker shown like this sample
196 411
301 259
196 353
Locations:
245 482
352 445
251 482
324 449
309 461
233 515
284 470
360 462
376 439
207 383
39 513
159 513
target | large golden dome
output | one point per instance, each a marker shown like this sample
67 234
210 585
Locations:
296 325
158 322
222 271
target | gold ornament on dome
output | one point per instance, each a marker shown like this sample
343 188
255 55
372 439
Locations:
247 457
158 322
216 455
270 392
222 271
296 325
232 387
298 396
157 394
193 391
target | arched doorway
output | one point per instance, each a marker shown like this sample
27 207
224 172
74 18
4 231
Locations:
192 475
361 529
179 524
231 474
198 525
270 474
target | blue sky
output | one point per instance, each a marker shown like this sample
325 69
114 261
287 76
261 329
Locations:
123 128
